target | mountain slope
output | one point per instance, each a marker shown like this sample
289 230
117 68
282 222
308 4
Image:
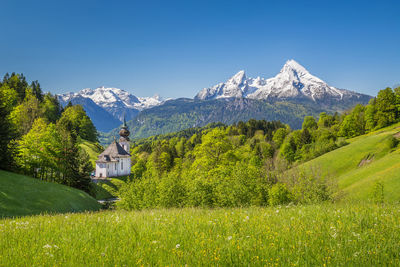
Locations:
179 114
116 102
364 161
21 195
292 82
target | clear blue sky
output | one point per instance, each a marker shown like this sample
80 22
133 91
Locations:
175 48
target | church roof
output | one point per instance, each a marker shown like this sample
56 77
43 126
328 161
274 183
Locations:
115 150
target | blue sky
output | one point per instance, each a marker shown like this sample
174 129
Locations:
175 48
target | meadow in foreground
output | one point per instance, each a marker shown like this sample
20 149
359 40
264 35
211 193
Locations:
359 234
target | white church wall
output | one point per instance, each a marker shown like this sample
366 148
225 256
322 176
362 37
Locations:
101 170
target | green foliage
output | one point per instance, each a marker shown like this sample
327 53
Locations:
309 186
309 123
79 123
391 142
279 194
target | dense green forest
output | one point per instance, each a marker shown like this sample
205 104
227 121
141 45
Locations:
247 163
41 139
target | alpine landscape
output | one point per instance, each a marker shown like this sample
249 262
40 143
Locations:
135 134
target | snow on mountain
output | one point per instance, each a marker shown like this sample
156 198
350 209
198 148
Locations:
293 81
116 101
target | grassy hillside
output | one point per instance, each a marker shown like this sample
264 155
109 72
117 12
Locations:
367 159
316 235
92 149
21 195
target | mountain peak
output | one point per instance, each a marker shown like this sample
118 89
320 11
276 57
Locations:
292 65
238 78
293 81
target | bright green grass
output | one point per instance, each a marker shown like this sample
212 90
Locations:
21 195
355 181
335 235
92 149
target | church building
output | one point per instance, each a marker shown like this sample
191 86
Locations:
115 160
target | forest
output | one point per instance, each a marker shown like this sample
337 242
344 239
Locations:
41 139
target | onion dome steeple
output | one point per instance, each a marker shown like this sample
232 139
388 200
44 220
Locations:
124 132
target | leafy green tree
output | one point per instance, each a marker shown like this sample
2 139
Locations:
51 108
386 107
370 114
7 100
23 116
354 123
279 137
79 122
18 83
309 123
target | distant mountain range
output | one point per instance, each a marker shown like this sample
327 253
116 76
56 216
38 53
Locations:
292 82
289 96
108 106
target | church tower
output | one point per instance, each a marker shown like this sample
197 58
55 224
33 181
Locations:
124 139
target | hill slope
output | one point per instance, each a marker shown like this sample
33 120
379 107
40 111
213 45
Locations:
21 195
367 159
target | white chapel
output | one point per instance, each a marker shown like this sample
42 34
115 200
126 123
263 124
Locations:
115 160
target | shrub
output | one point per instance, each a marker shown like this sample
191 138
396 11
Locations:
278 194
391 142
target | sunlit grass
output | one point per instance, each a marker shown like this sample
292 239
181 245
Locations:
22 195
343 164
361 235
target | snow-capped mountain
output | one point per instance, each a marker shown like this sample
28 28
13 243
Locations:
116 101
293 81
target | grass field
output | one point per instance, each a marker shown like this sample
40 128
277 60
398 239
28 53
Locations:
21 195
318 235
355 180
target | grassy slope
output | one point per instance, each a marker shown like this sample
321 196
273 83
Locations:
21 195
356 181
316 235
92 149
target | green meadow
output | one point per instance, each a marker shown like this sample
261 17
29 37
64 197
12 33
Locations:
359 165
21 195
314 235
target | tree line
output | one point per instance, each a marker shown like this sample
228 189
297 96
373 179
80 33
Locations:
41 139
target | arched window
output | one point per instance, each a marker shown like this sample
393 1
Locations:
122 164
115 166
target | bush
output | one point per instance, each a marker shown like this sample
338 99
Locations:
278 194
310 186
391 142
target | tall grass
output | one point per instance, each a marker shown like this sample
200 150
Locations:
361 235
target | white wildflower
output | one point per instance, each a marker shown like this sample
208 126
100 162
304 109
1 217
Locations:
229 237
178 245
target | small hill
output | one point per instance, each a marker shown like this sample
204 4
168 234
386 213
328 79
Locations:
21 195
366 160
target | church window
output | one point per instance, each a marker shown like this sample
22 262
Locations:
122 165
115 166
